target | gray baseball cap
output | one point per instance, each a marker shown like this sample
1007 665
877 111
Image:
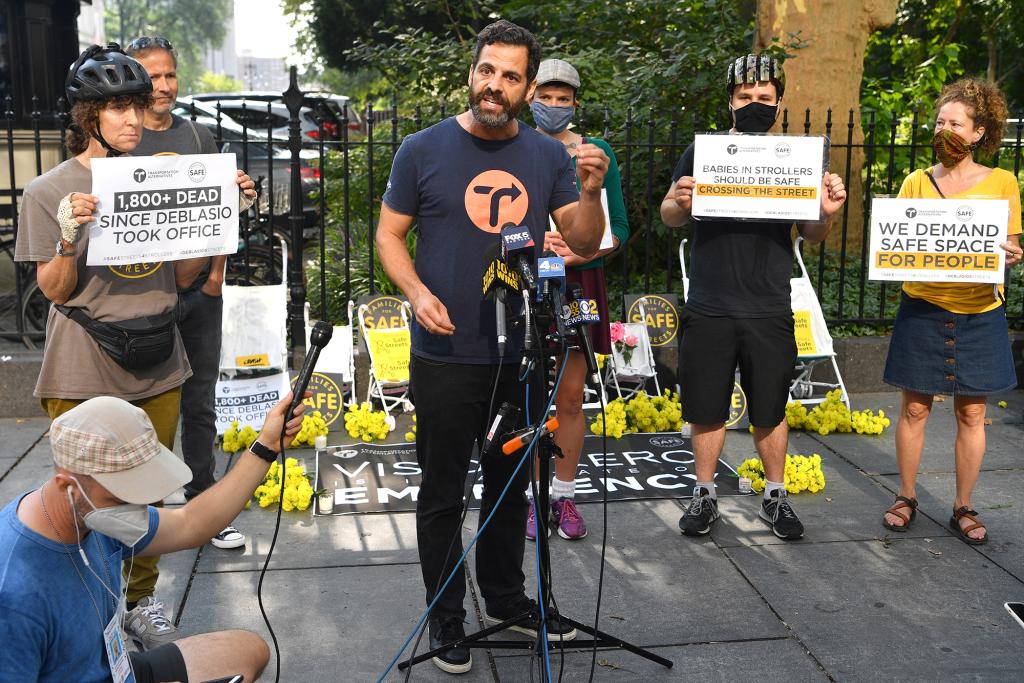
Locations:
558 71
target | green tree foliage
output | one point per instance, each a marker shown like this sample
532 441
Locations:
211 82
932 43
335 25
190 25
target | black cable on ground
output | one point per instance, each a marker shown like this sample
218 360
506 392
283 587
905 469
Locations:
604 531
266 563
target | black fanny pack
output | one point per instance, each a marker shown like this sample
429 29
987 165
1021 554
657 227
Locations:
134 344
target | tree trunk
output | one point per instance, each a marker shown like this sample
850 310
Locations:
826 74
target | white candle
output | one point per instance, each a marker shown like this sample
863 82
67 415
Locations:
325 503
320 442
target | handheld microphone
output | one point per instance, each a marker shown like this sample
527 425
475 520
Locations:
525 436
518 249
551 271
497 277
589 316
319 337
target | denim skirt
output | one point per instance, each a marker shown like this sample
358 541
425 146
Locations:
934 351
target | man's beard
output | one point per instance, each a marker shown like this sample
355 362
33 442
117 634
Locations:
509 111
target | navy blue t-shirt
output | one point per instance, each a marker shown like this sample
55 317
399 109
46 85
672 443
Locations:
462 189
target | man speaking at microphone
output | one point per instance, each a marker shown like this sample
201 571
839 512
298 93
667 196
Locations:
460 181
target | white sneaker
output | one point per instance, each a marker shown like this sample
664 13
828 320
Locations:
229 538
148 626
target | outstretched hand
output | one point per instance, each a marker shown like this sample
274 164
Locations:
270 435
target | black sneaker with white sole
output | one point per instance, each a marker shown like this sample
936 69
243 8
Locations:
444 630
700 514
779 515
556 628
230 537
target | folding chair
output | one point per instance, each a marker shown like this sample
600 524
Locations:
389 350
254 325
337 358
640 369
813 341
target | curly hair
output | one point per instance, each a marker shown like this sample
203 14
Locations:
986 105
85 116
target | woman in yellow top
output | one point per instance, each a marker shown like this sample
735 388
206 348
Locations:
952 338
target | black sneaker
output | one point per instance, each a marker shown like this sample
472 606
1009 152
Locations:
779 515
701 513
556 629
444 630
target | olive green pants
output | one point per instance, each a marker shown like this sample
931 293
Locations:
163 410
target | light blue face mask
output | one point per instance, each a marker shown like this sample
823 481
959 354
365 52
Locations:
552 120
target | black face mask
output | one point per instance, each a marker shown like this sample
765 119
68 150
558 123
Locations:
755 117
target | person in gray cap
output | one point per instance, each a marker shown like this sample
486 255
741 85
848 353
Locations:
61 548
553 106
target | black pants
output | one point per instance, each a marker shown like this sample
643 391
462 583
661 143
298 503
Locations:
200 327
451 411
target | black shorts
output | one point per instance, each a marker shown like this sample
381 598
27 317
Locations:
712 347
163 663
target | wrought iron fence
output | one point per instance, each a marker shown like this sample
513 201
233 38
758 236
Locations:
320 192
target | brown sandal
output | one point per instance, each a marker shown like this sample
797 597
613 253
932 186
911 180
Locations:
954 524
901 503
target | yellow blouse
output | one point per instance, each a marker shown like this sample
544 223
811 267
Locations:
962 297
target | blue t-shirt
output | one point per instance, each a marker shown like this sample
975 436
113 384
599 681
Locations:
48 628
462 189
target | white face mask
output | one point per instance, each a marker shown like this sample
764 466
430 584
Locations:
127 523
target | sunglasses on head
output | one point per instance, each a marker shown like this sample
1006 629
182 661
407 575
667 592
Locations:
149 41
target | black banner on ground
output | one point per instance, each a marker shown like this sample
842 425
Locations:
386 477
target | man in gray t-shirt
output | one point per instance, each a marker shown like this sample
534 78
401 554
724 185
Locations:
200 304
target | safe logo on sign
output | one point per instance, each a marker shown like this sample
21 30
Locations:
197 172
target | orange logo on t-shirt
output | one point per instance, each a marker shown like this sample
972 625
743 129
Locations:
495 198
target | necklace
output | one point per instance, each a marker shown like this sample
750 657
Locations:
95 605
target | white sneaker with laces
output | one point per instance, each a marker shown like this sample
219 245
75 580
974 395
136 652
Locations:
148 626
229 538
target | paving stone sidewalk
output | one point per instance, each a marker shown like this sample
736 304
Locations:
849 602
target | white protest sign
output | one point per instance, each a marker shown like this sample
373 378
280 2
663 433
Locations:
758 177
163 208
606 238
248 400
938 240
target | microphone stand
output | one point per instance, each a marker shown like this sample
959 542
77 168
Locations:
537 353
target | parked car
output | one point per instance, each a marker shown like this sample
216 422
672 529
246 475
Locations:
272 117
333 110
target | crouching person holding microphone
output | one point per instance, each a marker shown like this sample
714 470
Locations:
61 548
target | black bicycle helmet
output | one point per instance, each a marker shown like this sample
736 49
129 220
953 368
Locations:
754 69
105 73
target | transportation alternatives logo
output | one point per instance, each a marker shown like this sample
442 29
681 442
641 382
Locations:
495 198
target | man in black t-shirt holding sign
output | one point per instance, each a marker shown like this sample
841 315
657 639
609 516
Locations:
738 313
461 181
